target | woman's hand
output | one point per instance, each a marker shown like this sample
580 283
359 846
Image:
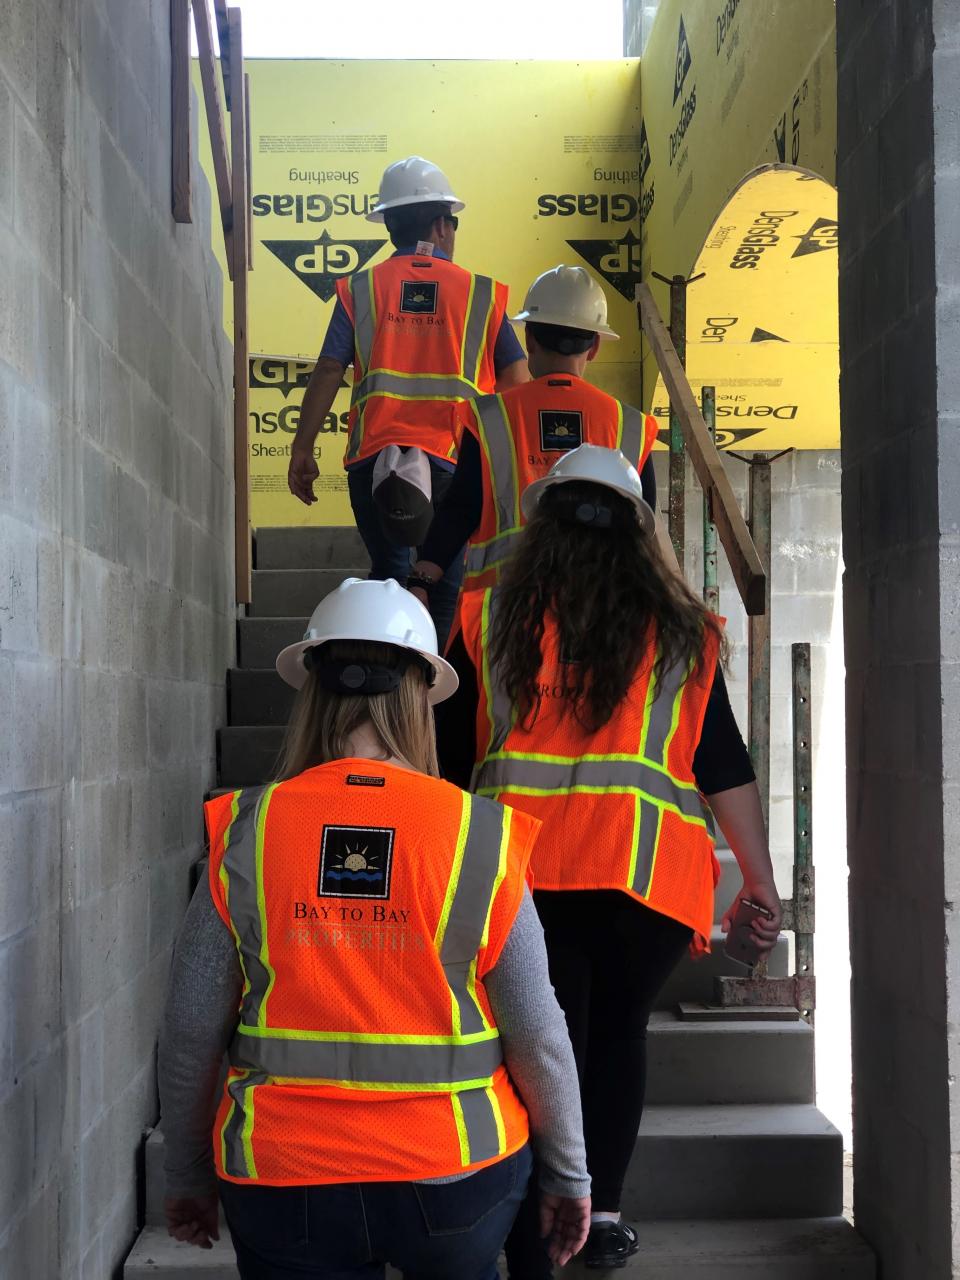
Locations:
193 1219
565 1225
764 894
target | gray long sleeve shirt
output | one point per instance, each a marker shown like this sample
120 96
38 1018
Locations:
201 1016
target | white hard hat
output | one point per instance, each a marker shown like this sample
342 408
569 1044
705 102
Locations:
413 181
363 609
569 297
607 467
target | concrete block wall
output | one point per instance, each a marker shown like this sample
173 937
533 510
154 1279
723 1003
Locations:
899 181
115 607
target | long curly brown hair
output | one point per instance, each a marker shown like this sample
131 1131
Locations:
604 588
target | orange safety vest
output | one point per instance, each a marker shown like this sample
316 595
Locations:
367 902
620 806
522 433
424 332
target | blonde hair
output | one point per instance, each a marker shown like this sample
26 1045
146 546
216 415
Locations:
322 722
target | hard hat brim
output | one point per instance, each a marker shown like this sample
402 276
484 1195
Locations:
531 496
290 666
378 210
604 331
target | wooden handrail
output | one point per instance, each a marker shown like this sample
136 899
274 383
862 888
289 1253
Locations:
218 137
241 360
744 561
180 194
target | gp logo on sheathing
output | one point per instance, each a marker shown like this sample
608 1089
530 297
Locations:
618 261
355 862
644 150
419 297
322 262
560 430
684 62
824 234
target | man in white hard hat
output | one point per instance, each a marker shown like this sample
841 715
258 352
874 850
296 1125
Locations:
422 335
511 440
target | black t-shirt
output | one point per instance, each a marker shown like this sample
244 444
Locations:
721 761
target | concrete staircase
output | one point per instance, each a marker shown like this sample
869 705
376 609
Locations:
736 1173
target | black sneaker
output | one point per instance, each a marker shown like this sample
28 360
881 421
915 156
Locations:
610 1244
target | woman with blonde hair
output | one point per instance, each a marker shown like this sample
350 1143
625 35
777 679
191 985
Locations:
367 956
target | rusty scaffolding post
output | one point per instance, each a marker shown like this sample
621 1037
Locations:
711 587
803 912
759 633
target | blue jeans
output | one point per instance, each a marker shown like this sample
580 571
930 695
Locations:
350 1231
388 559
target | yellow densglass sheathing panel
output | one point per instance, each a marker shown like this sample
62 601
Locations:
546 156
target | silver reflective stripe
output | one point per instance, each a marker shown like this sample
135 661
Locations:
483 1137
382 382
631 434
492 553
355 439
475 333
235 1161
498 445
364 322
240 862
647 840
501 708
544 775
471 901
661 724
365 1063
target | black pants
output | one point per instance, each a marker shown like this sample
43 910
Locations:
609 957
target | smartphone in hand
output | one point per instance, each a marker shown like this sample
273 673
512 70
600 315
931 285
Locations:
741 941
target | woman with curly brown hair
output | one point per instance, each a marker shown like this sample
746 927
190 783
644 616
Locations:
592 697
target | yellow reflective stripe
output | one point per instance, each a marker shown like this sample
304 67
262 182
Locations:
675 719
648 705
246 1135
466 323
224 878
461 1129
361 1037
452 1087
635 839
262 906
620 428
610 757
498 1120
454 870
465 812
223 1133
501 871
586 789
656 850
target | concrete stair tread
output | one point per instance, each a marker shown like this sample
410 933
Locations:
774 1249
156 1254
691 1123
282 593
308 547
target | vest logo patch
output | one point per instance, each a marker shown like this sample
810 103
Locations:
365 780
419 297
560 429
355 862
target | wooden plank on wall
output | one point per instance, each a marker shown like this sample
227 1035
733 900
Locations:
215 120
223 36
246 112
180 198
241 457
742 554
